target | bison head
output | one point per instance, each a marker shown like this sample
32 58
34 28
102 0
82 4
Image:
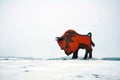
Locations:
60 42
63 45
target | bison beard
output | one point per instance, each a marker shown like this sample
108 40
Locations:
71 42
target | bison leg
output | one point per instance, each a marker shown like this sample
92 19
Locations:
75 55
90 54
86 54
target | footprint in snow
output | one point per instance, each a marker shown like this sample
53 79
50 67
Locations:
96 75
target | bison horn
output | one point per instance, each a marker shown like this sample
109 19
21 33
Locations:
59 38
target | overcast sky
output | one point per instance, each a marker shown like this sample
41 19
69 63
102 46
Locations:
29 27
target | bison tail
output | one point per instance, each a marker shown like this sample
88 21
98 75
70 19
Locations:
90 34
93 44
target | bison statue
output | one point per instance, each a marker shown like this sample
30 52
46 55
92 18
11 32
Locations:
71 42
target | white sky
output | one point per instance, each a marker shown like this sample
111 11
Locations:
29 27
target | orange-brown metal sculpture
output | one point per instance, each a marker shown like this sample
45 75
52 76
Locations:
71 42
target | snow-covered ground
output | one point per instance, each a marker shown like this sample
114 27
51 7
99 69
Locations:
21 69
